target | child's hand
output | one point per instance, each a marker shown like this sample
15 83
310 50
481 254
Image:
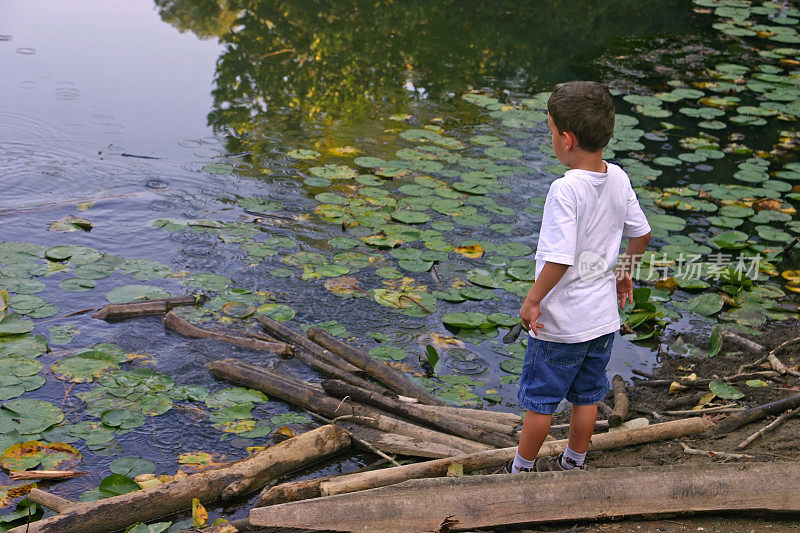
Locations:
624 288
529 314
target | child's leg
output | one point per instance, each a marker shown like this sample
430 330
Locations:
535 429
590 386
581 427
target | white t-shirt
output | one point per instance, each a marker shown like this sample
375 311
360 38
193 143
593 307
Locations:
586 214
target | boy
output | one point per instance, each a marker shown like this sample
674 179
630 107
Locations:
571 311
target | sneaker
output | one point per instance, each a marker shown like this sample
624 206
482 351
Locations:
549 464
506 469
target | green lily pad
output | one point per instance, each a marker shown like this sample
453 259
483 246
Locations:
130 293
122 418
84 367
30 454
388 352
132 466
117 485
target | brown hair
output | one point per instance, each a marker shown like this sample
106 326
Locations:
585 109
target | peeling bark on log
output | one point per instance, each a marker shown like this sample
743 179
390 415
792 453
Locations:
451 424
316 400
497 417
620 412
538 498
401 444
187 329
496 458
394 379
145 307
228 481
739 419
292 337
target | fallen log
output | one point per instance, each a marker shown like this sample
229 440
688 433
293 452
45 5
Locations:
401 444
394 379
292 337
51 501
620 412
238 478
17 475
742 342
530 498
316 400
299 490
187 329
496 458
356 441
498 417
747 416
146 307
446 422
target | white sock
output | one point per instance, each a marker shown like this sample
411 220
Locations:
571 459
520 463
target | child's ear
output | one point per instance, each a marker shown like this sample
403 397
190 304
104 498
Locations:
572 140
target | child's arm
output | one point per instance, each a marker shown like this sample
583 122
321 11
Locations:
633 252
545 281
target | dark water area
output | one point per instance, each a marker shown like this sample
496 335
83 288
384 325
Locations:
223 138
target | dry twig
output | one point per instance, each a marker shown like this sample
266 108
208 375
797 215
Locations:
713 454
769 427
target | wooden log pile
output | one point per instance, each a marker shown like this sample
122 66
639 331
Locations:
368 405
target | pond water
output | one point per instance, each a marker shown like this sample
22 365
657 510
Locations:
374 168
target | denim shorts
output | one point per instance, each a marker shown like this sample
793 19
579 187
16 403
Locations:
554 371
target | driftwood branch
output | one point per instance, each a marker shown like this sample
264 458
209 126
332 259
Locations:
713 454
358 440
187 329
496 458
146 307
51 501
17 475
292 337
621 403
394 379
539 498
499 436
700 412
316 400
225 482
754 414
769 427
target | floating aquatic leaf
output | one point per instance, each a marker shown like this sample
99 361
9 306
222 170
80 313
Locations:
10 326
83 368
116 485
70 223
30 454
234 396
28 416
303 153
130 293
388 352
238 309
132 466
122 418
77 285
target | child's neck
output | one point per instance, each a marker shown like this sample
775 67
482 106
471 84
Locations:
591 161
